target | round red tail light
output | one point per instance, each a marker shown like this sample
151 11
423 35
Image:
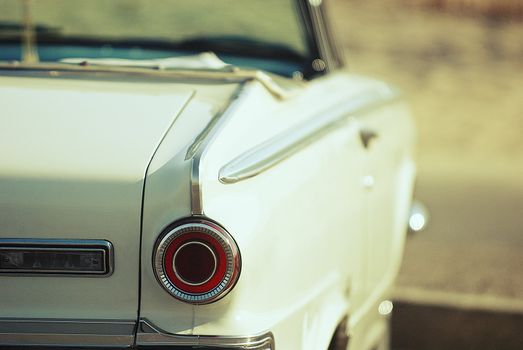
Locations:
197 262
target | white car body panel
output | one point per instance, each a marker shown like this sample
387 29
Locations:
312 180
273 215
167 199
312 250
65 173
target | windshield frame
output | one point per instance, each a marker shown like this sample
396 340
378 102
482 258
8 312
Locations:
322 43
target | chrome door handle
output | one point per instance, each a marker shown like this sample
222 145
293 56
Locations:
366 136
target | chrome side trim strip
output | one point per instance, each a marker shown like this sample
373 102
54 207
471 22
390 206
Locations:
56 332
148 334
199 147
282 146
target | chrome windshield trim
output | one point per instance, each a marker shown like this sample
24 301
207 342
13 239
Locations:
335 56
275 150
66 332
315 8
149 334
327 55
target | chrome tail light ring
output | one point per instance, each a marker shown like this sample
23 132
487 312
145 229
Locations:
224 252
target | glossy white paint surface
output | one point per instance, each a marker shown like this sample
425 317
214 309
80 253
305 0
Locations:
167 199
320 234
73 159
306 227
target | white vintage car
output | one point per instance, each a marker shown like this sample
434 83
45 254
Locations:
194 174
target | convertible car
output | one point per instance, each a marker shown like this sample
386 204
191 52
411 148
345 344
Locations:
195 174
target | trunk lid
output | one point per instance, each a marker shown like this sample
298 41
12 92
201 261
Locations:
74 154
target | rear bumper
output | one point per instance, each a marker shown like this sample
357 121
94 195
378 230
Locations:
150 335
75 334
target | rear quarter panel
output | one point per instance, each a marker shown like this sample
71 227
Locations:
298 226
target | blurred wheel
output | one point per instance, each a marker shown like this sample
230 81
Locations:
340 339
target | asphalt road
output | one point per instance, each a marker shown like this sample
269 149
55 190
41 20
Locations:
474 241
461 282
428 327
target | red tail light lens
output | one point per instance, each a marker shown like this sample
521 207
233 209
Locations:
194 263
197 262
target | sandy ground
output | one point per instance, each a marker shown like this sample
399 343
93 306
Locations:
464 79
